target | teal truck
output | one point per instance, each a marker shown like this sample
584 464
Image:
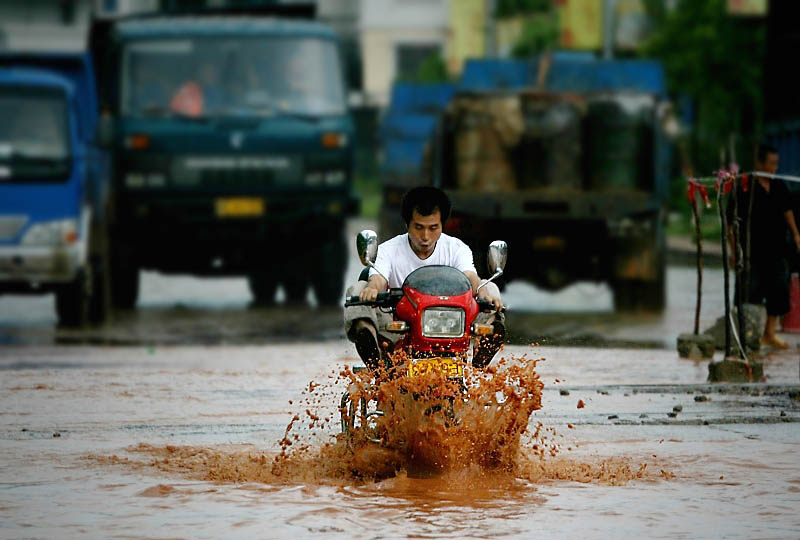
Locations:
54 184
232 152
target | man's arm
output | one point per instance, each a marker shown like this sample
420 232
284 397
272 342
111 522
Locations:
375 285
473 278
789 215
485 292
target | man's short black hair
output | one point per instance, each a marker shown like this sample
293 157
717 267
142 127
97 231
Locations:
425 200
764 150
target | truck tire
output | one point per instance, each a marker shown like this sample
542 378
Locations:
646 294
100 300
124 284
328 281
639 295
73 299
295 287
262 286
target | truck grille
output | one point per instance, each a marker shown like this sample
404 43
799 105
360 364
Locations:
11 225
237 178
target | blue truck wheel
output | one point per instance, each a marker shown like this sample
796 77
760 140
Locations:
72 300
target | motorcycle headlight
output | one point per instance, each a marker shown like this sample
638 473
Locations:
52 233
443 322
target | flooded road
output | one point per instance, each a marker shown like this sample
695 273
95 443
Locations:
180 442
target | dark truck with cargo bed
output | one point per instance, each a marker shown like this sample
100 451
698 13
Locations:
573 174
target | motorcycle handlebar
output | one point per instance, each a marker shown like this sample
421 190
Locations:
382 299
388 298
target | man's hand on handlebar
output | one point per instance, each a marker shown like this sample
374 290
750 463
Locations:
490 296
375 285
369 294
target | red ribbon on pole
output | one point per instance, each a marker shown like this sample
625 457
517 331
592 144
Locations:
704 193
725 180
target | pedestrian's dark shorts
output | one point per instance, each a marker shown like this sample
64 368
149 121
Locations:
769 282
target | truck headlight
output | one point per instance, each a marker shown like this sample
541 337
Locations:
52 233
314 178
335 178
443 322
135 180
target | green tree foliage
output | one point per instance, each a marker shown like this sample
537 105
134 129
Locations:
539 34
716 60
432 70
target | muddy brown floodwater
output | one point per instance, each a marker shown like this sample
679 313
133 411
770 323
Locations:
194 442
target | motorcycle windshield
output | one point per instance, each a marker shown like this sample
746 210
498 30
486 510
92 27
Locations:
438 280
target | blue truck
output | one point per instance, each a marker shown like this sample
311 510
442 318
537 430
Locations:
564 157
53 184
232 152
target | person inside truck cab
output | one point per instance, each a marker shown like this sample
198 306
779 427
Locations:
202 95
425 210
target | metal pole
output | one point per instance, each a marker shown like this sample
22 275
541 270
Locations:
489 49
696 213
724 221
747 243
608 28
737 246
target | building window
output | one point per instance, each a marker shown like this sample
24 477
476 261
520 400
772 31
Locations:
409 58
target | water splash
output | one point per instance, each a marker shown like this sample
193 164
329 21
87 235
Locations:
430 426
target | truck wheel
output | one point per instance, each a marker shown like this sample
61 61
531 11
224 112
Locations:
262 287
72 300
639 295
653 295
295 288
625 295
328 282
124 284
100 301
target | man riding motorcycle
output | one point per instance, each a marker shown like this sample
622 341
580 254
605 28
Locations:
425 210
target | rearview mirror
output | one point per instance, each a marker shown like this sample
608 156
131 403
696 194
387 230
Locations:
496 260
498 251
367 247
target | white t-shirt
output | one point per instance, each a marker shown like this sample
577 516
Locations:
396 259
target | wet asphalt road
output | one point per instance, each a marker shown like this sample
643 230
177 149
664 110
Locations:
177 442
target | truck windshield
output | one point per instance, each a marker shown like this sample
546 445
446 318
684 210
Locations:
34 141
232 76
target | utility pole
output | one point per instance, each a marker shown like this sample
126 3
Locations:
490 51
609 20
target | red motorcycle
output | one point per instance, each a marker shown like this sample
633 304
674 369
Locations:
435 314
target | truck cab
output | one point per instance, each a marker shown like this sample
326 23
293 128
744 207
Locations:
232 136
53 184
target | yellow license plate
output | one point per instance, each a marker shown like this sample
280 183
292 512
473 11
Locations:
451 367
239 207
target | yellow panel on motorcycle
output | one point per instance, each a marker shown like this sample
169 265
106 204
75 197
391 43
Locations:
397 326
482 329
452 367
239 206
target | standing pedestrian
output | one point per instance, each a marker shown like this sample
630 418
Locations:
771 215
